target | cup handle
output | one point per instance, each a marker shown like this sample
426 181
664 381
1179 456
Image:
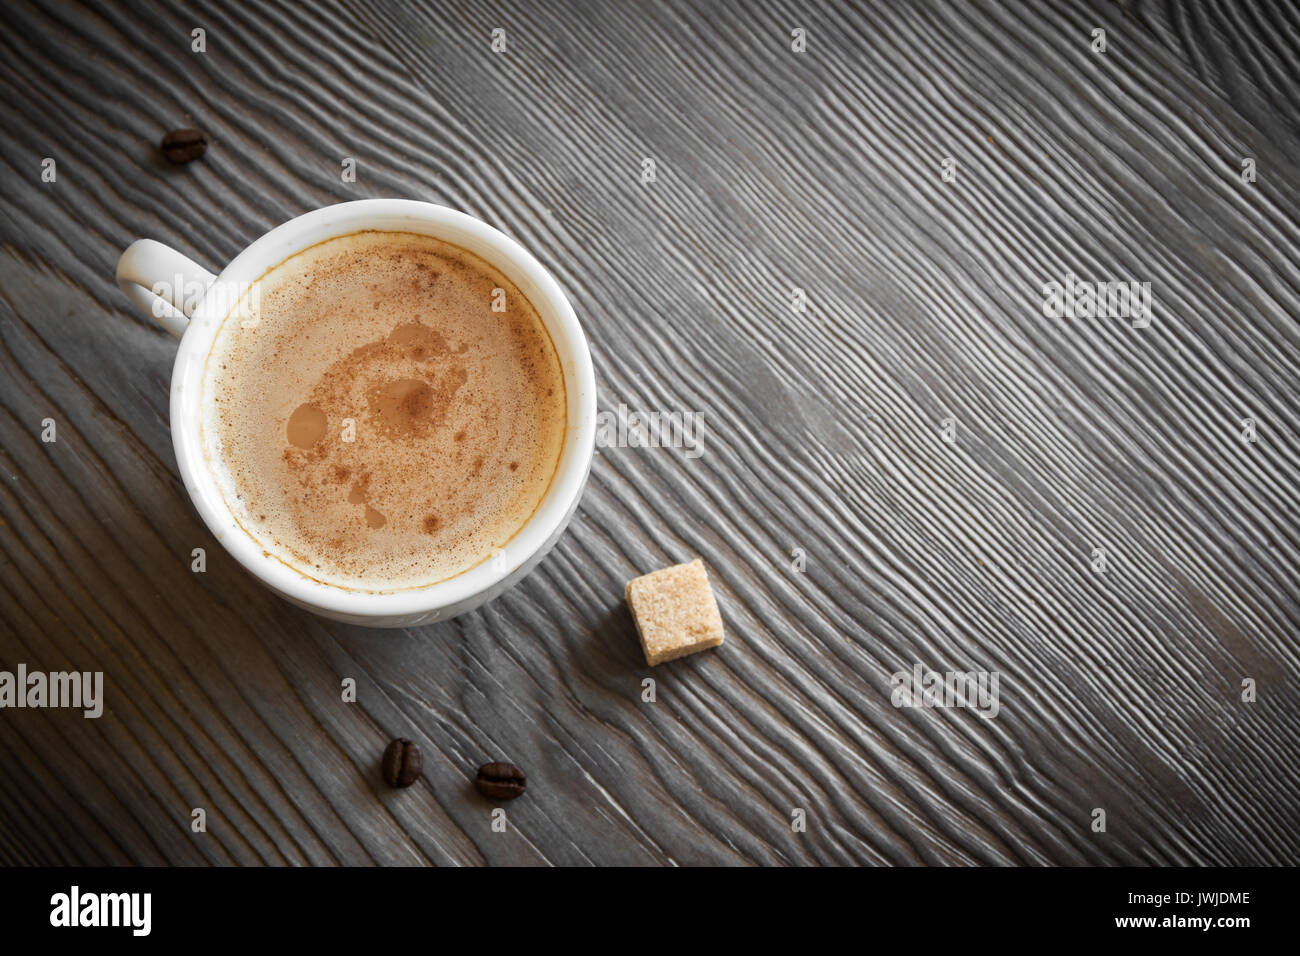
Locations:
166 285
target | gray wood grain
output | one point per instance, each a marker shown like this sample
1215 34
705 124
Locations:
775 170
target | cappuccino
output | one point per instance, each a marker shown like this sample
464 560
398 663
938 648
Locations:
383 411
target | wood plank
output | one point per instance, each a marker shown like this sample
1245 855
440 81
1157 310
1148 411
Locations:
775 170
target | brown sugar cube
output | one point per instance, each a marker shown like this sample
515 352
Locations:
675 612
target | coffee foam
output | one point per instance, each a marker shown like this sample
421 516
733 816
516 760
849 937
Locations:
457 411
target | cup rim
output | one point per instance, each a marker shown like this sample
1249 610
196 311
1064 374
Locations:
522 268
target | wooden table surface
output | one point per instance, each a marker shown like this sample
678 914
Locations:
1101 531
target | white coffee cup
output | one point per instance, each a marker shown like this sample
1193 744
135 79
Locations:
192 303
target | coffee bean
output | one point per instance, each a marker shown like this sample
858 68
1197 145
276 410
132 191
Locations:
500 781
402 763
184 145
